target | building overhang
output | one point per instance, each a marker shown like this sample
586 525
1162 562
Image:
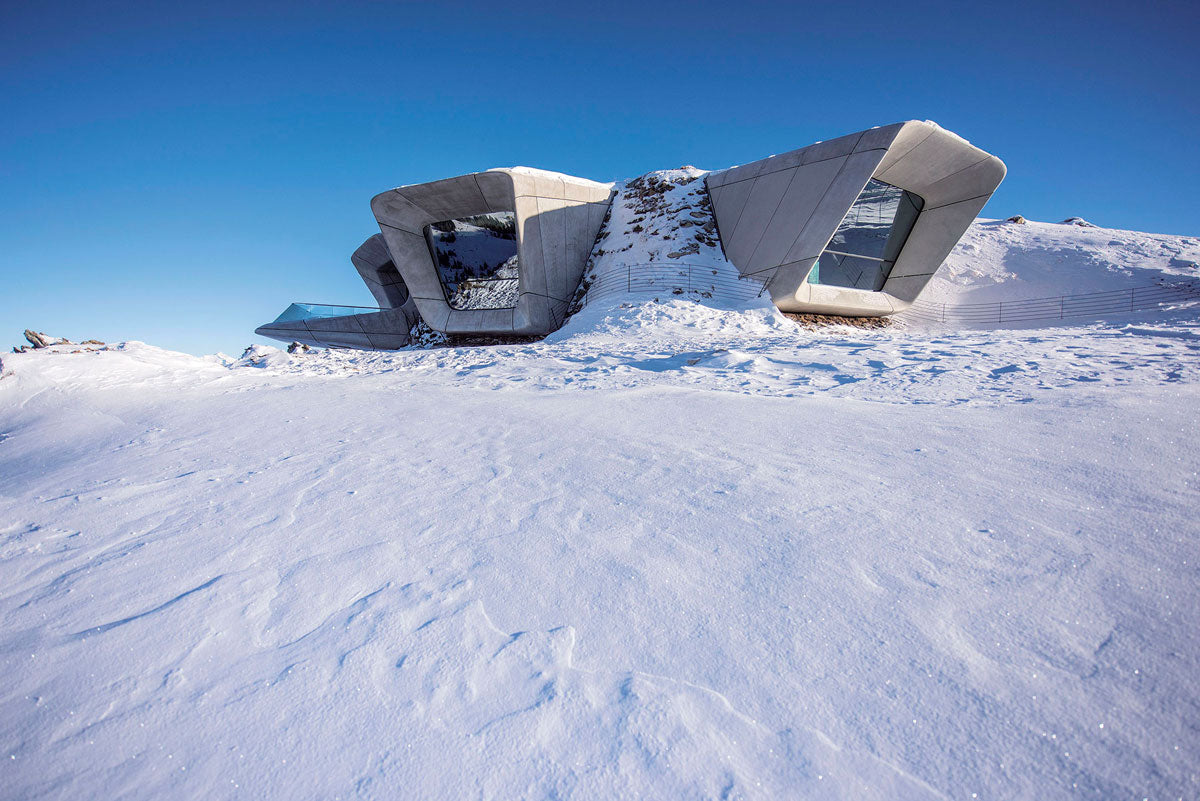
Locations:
557 218
776 216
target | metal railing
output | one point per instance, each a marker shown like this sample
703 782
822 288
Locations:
1061 307
671 279
310 311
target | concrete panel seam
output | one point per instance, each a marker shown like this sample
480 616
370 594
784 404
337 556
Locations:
817 207
798 166
956 202
913 149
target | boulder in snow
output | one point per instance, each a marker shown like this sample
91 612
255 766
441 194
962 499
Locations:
39 340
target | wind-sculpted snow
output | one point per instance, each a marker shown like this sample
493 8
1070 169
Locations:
672 551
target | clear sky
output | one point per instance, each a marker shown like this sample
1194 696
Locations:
178 173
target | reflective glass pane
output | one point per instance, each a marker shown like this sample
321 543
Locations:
835 269
476 258
868 240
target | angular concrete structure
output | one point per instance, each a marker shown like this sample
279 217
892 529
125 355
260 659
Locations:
856 225
557 218
354 327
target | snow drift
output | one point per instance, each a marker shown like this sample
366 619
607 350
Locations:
677 550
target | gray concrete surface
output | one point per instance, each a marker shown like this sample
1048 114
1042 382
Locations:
382 330
378 271
775 216
557 219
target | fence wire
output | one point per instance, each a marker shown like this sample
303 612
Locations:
703 281
1061 307
673 279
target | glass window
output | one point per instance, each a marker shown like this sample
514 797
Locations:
868 241
476 259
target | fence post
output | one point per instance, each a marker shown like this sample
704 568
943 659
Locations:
1001 318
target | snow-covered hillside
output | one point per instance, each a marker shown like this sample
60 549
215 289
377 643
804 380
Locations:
673 551
1000 261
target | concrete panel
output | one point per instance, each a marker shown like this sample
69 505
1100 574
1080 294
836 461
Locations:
344 339
576 220
831 149
934 235
853 176
981 178
596 212
391 321
905 290
744 172
399 212
764 198
789 281
843 300
435 314
556 228
288 331
410 253
348 323
532 315
448 198
553 227
529 238
880 138
377 270
389 341
728 204
935 158
809 185
911 134
496 186
755 224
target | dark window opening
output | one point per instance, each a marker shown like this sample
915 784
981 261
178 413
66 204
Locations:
476 259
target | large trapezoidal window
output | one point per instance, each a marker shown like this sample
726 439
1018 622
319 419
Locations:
867 243
476 259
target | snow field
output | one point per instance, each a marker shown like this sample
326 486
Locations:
673 551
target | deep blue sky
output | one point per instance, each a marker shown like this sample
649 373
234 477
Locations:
177 173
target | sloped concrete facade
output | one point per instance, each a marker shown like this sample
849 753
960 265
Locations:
557 219
776 216
378 271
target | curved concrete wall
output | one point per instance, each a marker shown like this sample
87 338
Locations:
385 329
381 330
378 271
557 219
775 216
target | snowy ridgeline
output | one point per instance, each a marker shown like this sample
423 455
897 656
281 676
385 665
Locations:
675 550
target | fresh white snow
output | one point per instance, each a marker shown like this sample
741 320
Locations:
675 550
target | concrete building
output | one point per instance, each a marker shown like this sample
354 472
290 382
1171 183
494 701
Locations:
856 225
853 226
555 219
